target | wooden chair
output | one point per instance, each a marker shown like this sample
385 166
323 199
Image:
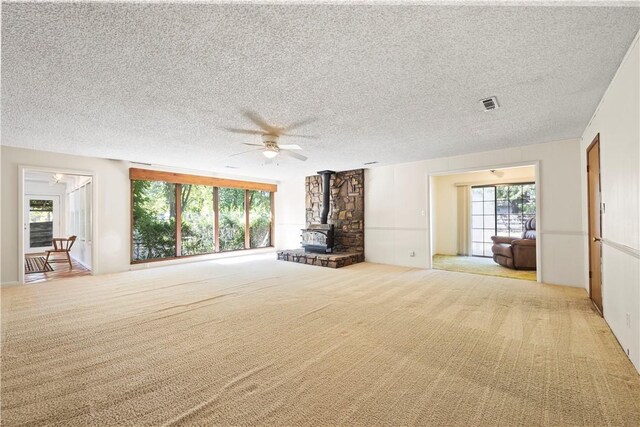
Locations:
61 245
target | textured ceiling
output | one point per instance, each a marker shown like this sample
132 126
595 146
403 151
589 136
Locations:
157 83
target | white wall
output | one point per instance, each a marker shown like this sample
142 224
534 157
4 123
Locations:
290 213
397 217
444 198
396 213
45 189
111 189
617 120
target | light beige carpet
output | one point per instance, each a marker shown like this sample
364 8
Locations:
276 343
479 265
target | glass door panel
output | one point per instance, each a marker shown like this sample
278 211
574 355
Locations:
42 222
515 205
483 220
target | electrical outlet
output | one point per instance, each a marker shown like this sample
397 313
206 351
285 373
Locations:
412 253
628 320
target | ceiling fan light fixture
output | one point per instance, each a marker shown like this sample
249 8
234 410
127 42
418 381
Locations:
270 136
270 154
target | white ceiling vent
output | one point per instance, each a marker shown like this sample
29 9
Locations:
490 103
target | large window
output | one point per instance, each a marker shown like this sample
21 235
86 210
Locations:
198 220
196 215
260 218
232 218
515 204
499 210
154 220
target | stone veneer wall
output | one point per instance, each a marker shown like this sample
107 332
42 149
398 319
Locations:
347 207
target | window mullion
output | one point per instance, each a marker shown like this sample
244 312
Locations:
247 238
216 220
273 219
178 205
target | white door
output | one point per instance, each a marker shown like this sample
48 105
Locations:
41 222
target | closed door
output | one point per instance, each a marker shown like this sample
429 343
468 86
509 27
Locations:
595 223
41 222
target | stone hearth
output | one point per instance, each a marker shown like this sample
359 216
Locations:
335 260
346 215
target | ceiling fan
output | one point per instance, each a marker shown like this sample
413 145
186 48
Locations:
270 147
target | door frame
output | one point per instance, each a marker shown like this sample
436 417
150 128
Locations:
22 170
26 223
596 141
539 206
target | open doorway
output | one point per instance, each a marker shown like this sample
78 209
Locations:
484 222
594 198
57 222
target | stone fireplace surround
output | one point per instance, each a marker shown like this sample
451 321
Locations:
346 214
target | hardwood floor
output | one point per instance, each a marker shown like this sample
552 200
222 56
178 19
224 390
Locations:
60 271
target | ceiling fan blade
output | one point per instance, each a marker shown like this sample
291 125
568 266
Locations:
253 145
289 147
245 152
245 131
262 123
300 123
294 155
300 136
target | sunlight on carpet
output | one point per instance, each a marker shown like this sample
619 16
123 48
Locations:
479 265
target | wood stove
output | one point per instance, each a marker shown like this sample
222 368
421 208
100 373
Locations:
319 238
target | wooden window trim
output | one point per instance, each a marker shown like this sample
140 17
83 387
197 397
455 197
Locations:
181 178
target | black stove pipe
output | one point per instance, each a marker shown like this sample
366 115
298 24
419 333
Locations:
326 195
